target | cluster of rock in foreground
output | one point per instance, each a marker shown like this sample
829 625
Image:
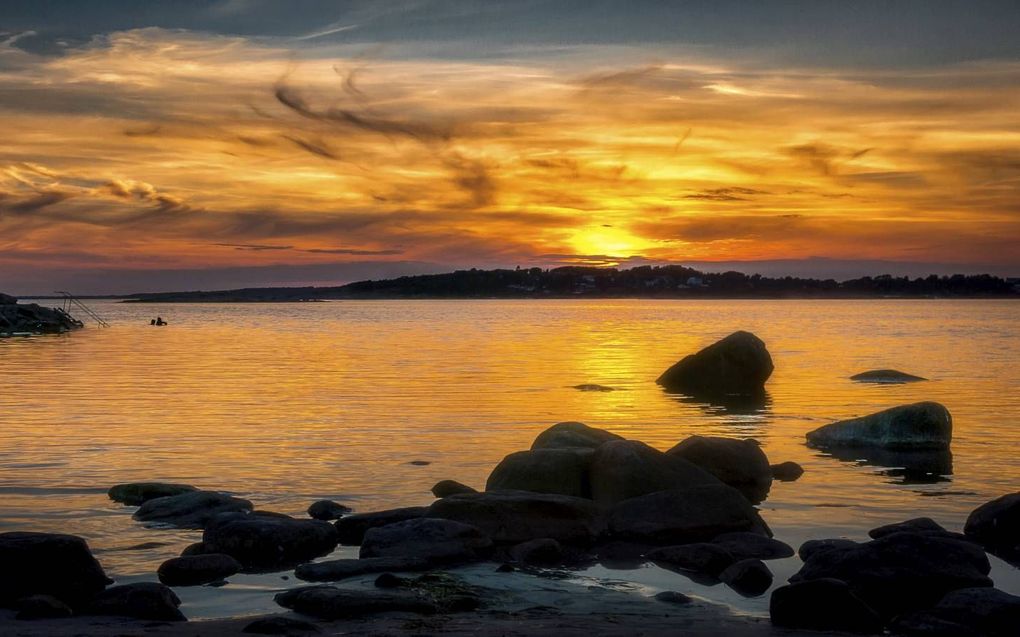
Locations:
32 318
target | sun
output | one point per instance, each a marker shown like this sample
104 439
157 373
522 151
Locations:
606 240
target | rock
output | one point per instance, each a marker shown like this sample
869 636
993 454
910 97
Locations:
822 604
697 514
327 510
915 525
562 471
444 488
144 600
34 318
136 493
540 552
750 577
260 542
736 365
673 597
738 463
887 376
336 570
928 624
279 626
901 572
194 570
744 545
61 566
625 469
699 557
996 525
420 463
192 510
593 387
198 548
7 299
327 602
572 434
351 529
42 607
512 517
987 611
437 539
787 471
814 547
926 425
389 580
505 568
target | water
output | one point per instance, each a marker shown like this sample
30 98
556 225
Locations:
288 403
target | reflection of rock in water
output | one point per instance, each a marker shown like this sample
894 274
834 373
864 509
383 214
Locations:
727 404
923 466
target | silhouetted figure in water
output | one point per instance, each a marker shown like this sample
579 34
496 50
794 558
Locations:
158 321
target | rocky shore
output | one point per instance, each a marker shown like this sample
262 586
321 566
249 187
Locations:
17 319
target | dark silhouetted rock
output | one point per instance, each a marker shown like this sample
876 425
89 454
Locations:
351 529
736 365
42 607
260 542
144 600
562 471
572 434
327 602
996 525
697 514
7 299
336 570
192 510
327 510
814 547
739 463
389 580
420 463
198 548
625 469
136 493
279 626
822 604
787 471
750 577
593 387
444 488
541 552
194 570
885 376
434 538
926 425
984 611
744 545
699 557
33 318
915 525
512 517
58 565
673 597
929 624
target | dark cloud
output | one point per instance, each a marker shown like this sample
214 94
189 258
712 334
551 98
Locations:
314 147
28 203
726 194
254 247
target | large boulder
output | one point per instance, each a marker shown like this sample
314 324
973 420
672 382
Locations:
750 577
429 537
698 557
327 602
739 463
144 600
190 510
34 318
886 376
967 611
260 542
737 365
512 517
903 571
624 469
814 547
444 488
61 566
822 604
744 545
925 425
996 525
136 493
562 471
572 434
913 525
351 529
680 516
193 570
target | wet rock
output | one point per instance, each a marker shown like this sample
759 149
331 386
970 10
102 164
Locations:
136 493
7 299
814 547
198 548
978 611
327 602
744 545
195 570
625 469
673 597
901 572
144 600
279 626
699 557
593 387
572 434
926 425
327 510
886 376
420 463
192 510
915 525
351 529
822 604
434 538
512 517
42 607
34 318
444 488
928 624
389 580
505 568
697 514
58 565
996 525
562 471
750 577
736 365
541 552
336 570
260 542
787 471
739 463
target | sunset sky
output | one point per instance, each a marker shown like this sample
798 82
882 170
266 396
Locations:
149 146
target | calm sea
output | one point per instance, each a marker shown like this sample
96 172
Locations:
288 403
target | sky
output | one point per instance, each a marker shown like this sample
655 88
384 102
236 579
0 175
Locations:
211 144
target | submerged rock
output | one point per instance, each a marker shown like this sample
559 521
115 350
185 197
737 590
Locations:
351 529
624 469
749 577
194 570
562 471
698 557
437 539
540 552
327 510
327 602
260 542
572 434
996 525
822 604
739 463
673 597
593 387
61 566
336 570
136 493
888 376
42 607
926 425
191 510
787 471
736 365
144 600
444 488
